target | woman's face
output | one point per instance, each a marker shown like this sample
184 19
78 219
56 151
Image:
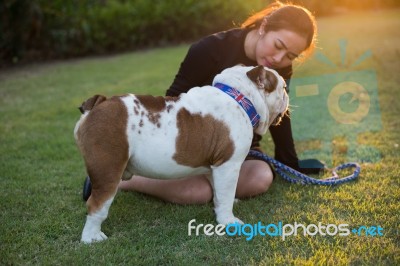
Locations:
278 49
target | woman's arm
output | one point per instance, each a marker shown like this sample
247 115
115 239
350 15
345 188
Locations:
285 151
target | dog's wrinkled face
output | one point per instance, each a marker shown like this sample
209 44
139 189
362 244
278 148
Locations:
264 87
273 88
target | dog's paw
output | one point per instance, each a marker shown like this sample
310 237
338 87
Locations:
97 237
229 220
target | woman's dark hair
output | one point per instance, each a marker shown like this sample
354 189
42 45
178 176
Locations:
291 17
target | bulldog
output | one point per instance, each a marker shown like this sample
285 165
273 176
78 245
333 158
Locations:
205 131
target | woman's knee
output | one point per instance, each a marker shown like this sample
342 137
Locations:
198 192
255 178
263 180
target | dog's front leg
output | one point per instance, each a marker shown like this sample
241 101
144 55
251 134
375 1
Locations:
224 179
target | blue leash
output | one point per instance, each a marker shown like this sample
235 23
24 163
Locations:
300 178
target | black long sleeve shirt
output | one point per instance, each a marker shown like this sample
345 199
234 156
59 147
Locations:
214 53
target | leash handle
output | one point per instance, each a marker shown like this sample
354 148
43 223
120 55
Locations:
300 178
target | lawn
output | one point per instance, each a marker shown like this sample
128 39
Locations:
42 172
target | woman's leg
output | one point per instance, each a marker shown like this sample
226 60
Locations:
255 178
189 190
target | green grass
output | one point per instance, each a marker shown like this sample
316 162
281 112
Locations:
41 170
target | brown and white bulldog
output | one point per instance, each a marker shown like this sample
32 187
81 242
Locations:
205 131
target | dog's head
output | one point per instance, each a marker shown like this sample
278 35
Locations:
273 88
264 87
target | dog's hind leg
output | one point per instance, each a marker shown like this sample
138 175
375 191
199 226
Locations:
105 180
105 165
92 229
104 146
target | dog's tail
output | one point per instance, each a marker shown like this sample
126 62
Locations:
90 103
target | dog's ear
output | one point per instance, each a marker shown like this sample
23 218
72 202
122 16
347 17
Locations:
263 78
92 102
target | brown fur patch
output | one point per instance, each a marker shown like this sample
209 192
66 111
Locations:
264 79
202 140
103 143
272 81
154 105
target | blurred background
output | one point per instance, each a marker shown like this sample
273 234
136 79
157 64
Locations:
39 30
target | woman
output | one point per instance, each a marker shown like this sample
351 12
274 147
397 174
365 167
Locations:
274 38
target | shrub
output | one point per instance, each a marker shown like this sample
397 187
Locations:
58 28
40 29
